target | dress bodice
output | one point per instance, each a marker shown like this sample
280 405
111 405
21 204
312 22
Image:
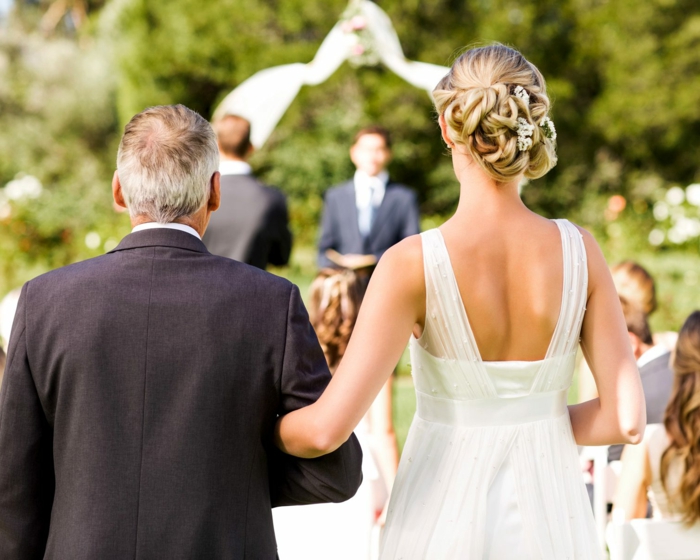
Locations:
446 360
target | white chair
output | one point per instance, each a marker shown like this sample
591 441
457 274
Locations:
666 540
652 539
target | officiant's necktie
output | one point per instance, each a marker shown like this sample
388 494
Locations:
366 211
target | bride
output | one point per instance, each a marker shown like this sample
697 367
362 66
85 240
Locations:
495 303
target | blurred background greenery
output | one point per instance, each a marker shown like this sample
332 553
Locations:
624 76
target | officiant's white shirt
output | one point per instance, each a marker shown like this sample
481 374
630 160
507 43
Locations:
156 225
369 193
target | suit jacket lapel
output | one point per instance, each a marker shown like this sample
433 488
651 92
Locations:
350 213
382 212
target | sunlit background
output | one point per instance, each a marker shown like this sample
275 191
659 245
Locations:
624 76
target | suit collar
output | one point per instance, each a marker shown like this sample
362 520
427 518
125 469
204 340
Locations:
161 238
380 216
653 354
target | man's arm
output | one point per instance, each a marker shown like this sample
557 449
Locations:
26 464
281 245
328 238
334 477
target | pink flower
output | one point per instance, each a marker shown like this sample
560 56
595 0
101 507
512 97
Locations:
358 22
357 50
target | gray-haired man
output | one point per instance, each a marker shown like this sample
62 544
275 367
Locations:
142 386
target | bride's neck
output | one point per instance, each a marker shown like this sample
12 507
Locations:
482 196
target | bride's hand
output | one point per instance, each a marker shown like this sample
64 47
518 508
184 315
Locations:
394 302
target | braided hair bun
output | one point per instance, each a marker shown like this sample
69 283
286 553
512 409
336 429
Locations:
495 105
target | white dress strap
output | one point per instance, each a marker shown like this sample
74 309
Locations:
447 333
573 305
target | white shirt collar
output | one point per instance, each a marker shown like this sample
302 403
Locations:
651 354
362 188
155 225
234 167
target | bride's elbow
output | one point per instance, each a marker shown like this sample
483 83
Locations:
324 441
633 432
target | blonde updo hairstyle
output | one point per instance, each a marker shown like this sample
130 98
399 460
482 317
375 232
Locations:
477 98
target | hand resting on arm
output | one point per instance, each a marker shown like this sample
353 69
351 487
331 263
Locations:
393 304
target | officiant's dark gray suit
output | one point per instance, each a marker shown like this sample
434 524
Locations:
138 405
395 219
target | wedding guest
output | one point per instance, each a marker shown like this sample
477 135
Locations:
654 363
252 223
666 465
370 213
343 531
634 283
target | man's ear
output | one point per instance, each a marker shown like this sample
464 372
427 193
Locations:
636 344
214 192
117 193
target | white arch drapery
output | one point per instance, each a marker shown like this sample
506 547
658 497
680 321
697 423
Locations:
264 97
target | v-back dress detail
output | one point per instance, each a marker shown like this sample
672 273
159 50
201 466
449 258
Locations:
490 468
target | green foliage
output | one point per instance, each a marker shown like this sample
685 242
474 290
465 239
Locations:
58 126
624 76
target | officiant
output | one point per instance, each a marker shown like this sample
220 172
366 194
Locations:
366 215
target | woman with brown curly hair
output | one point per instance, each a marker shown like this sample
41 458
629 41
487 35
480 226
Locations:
666 465
343 531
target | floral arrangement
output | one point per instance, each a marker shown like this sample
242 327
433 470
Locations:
677 216
22 187
353 22
525 129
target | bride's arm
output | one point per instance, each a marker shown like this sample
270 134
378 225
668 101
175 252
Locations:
394 302
618 415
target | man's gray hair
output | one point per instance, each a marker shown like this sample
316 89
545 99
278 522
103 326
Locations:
165 162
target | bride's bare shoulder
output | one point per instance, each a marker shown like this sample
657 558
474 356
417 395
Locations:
402 265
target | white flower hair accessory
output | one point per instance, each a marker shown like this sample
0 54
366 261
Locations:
548 129
521 93
524 130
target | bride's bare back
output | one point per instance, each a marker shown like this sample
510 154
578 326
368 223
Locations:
510 279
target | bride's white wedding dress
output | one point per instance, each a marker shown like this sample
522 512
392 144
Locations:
490 469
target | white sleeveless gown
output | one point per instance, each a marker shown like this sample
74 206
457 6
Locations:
490 468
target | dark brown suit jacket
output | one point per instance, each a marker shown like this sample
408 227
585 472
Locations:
138 405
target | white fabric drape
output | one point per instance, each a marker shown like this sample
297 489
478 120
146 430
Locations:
264 97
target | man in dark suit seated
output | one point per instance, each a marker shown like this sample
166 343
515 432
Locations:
143 386
365 216
252 224
654 363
